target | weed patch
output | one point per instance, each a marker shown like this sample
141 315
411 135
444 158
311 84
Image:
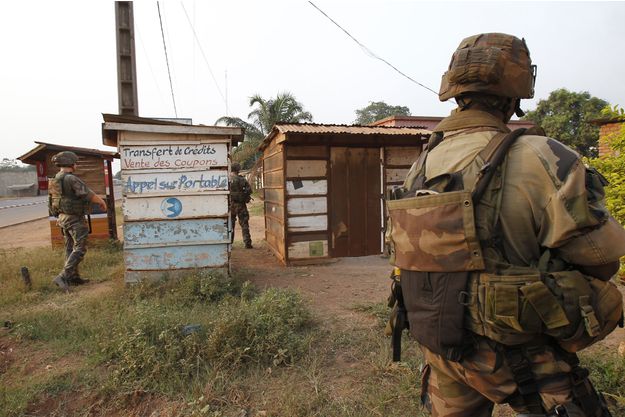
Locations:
607 372
102 262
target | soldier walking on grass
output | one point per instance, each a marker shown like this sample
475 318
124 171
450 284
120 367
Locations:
70 199
506 250
240 195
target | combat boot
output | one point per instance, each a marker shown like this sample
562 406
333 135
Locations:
62 284
77 280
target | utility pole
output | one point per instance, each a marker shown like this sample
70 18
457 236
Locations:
126 63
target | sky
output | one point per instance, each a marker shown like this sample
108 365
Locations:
58 71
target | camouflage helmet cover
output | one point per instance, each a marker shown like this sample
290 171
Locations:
236 167
65 159
490 63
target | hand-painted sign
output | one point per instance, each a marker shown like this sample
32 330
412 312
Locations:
171 207
174 182
187 157
160 207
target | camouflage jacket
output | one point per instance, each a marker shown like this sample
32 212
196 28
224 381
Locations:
68 196
550 199
240 190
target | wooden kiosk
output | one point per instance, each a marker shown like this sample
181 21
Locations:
175 195
324 187
94 168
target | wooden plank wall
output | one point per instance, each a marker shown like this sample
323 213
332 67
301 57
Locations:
397 163
273 190
307 173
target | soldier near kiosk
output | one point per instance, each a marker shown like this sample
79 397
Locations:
70 200
505 248
240 195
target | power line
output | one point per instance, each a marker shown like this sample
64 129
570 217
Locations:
369 52
147 57
171 85
210 70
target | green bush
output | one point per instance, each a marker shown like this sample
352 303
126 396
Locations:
612 166
166 341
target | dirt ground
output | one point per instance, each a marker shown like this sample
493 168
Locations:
332 289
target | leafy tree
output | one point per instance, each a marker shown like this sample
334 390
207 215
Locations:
612 166
378 110
265 113
565 115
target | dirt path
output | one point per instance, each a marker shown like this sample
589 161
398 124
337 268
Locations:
332 289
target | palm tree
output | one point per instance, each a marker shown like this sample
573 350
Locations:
265 113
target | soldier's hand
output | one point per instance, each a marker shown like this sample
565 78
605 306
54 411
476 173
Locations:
102 205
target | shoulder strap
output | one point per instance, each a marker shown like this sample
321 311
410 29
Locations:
493 155
62 181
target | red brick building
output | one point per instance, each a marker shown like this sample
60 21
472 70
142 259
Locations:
429 122
607 127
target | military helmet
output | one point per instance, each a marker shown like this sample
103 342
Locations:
65 159
236 167
490 63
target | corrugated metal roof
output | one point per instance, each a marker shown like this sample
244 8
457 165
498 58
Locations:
332 129
350 129
39 152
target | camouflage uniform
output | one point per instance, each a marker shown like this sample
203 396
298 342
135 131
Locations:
240 192
543 206
75 229
542 200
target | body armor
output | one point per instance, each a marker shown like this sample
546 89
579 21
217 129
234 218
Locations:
240 190
62 199
455 277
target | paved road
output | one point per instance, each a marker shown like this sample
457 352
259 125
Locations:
25 209
20 210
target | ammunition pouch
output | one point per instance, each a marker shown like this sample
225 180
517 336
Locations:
575 309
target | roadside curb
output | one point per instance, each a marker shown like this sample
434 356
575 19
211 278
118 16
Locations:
25 221
22 205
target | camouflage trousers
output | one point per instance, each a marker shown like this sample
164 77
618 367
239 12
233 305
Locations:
471 388
240 210
75 231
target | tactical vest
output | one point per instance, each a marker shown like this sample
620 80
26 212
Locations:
446 239
240 191
62 199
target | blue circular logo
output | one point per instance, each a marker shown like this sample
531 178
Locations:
171 207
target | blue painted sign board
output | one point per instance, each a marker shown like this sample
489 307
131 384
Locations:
176 257
173 233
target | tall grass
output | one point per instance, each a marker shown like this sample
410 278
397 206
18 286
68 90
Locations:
102 262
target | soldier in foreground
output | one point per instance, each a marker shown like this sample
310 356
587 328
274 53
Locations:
506 250
240 195
70 200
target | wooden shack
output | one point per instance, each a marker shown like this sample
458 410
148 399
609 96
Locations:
324 187
175 194
94 168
